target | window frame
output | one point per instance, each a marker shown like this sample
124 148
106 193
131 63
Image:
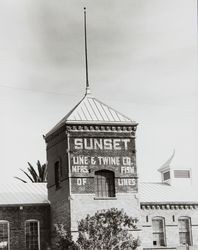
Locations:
8 226
154 232
104 182
189 230
38 230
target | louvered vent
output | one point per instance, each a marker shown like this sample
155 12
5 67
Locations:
181 173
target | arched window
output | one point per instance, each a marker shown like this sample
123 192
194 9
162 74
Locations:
104 183
158 225
4 235
184 224
32 235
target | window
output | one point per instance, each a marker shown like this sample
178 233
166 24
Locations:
104 183
184 224
57 173
166 175
182 173
32 235
158 231
4 235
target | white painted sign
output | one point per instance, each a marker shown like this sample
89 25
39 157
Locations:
101 143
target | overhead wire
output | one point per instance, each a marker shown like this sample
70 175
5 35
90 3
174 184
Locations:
58 93
36 90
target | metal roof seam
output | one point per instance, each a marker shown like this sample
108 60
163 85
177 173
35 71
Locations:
98 109
92 109
88 111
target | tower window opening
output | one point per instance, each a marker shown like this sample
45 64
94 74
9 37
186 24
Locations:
105 183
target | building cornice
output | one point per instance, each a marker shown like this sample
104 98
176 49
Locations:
168 205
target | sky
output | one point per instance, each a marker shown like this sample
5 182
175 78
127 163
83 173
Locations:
142 61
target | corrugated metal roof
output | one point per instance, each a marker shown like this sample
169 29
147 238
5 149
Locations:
165 193
36 193
91 110
23 193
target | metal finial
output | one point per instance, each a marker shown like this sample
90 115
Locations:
86 60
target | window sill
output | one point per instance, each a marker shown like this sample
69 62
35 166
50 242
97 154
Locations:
161 247
105 198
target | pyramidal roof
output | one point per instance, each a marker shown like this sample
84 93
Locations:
92 111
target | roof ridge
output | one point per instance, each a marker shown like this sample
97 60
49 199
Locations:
75 107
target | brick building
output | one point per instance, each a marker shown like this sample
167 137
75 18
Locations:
91 163
91 159
24 216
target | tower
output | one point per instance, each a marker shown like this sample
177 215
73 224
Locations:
91 159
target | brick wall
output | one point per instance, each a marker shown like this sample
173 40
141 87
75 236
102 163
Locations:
16 216
60 206
58 197
97 158
57 151
81 205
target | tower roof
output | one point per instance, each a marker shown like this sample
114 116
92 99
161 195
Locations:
92 111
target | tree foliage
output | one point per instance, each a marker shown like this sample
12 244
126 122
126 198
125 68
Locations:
39 175
109 229
63 239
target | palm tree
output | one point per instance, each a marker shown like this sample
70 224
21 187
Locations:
35 176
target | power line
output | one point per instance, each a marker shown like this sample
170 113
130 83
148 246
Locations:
37 91
62 94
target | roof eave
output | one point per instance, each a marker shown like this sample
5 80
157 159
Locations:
133 123
128 123
47 203
168 203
